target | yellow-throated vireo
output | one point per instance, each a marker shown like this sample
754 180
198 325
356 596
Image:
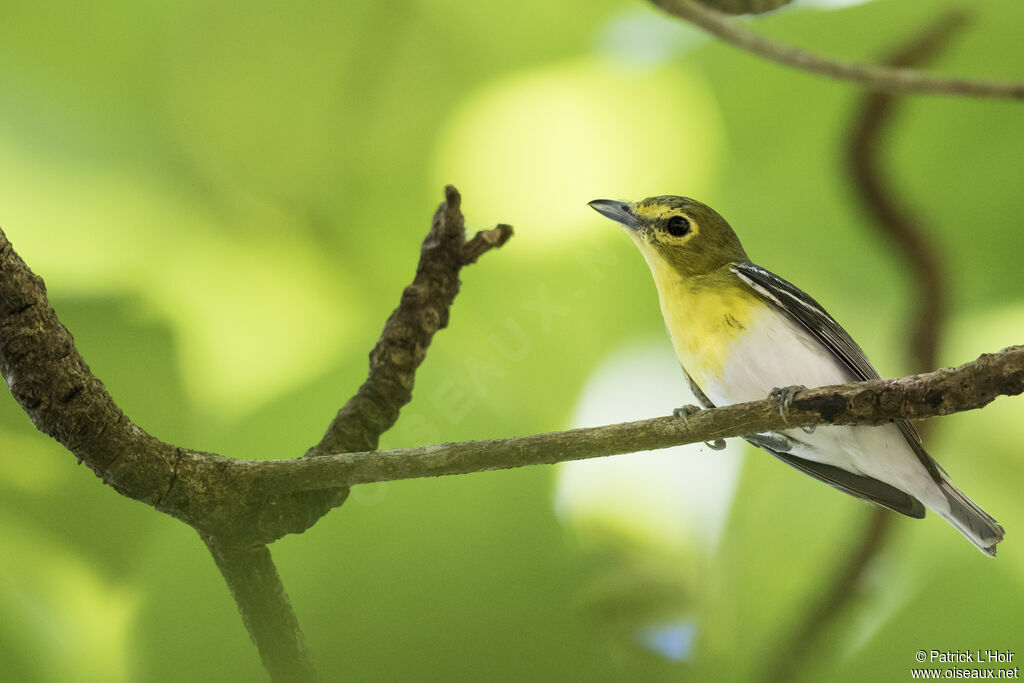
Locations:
741 331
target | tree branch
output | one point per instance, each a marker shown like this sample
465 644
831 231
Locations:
48 377
64 400
402 346
950 390
888 79
265 609
409 330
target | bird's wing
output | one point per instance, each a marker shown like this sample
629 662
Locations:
855 485
799 307
808 313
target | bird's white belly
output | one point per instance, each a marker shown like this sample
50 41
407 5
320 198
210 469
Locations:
773 352
776 352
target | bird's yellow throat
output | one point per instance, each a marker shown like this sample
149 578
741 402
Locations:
704 314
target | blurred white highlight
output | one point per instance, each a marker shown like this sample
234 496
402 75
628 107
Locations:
674 498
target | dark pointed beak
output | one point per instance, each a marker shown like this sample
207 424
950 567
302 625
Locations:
620 212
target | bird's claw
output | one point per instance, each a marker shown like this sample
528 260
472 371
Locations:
785 396
685 412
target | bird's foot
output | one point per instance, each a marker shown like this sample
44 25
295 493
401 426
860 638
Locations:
684 414
785 396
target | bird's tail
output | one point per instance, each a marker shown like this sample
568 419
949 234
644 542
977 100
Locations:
970 520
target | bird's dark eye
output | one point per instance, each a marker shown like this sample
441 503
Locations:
678 226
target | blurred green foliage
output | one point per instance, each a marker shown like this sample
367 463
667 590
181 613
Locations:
226 201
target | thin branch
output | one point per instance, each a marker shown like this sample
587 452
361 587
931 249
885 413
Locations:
899 223
889 79
402 346
970 386
266 611
745 6
484 241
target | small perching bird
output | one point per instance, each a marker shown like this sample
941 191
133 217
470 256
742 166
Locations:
741 332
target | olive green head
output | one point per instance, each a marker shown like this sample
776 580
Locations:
678 232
